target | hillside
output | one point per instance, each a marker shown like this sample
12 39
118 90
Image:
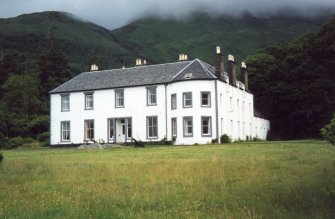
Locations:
81 40
197 36
150 38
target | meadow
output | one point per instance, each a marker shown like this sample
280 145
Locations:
287 179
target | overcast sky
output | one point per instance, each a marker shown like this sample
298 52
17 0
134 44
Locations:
115 13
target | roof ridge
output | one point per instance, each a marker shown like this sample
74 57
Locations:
205 68
183 69
134 67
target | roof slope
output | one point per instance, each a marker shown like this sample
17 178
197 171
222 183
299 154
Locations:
137 76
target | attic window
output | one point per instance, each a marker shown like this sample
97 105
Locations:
188 76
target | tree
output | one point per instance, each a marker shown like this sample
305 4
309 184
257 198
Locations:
328 131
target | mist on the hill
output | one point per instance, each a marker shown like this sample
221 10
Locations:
115 13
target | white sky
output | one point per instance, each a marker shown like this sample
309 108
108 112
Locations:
115 13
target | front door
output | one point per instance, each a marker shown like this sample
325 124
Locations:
121 130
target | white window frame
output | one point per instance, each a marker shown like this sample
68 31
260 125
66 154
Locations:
151 96
174 127
186 126
65 102
119 98
185 99
209 128
173 101
65 131
152 127
89 101
208 98
89 129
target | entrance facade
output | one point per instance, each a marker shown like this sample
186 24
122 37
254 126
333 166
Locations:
119 130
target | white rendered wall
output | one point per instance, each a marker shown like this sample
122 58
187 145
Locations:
237 121
196 111
135 103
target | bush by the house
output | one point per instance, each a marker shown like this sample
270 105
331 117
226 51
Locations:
1 157
328 131
225 139
43 137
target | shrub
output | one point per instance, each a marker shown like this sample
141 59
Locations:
139 144
225 139
15 142
214 140
43 137
1 157
328 132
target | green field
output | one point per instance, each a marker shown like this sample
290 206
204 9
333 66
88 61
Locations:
240 180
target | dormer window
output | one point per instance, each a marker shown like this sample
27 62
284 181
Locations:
188 76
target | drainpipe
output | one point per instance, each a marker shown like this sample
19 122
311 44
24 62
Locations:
166 126
216 110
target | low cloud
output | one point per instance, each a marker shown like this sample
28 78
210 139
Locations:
115 13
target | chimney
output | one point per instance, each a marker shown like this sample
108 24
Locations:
219 68
244 75
231 70
183 57
94 67
144 62
138 62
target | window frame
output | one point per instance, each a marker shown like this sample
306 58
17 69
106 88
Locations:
184 126
86 100
148 127
109 121
117 92
62 130
209 126
62 102
149 89
184 99
208 97
129 122
85 129
173 97
174 121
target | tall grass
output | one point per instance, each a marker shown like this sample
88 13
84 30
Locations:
247 180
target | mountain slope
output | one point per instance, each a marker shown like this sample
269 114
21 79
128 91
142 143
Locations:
81 40
163 40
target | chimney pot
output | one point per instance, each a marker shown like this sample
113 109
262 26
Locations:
138 62
94 67
218 50
144 61
231 58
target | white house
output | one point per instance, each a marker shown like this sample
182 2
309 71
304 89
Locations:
189 101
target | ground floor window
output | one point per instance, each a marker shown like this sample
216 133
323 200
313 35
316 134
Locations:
152 127
206 126
174 127
129 129
89 129
65 131
188 126
111 128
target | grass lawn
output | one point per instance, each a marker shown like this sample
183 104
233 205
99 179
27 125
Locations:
287 179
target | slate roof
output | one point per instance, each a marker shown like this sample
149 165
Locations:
138 76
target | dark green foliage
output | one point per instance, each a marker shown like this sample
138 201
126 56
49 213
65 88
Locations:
225 139
328 132
214 140
44 137
1 157
294 85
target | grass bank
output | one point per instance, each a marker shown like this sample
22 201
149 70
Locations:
246 180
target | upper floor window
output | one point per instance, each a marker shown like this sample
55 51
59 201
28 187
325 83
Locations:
152 127
151 96
173 101
65 103
187 99
205 99
89 101
119 98
65 131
